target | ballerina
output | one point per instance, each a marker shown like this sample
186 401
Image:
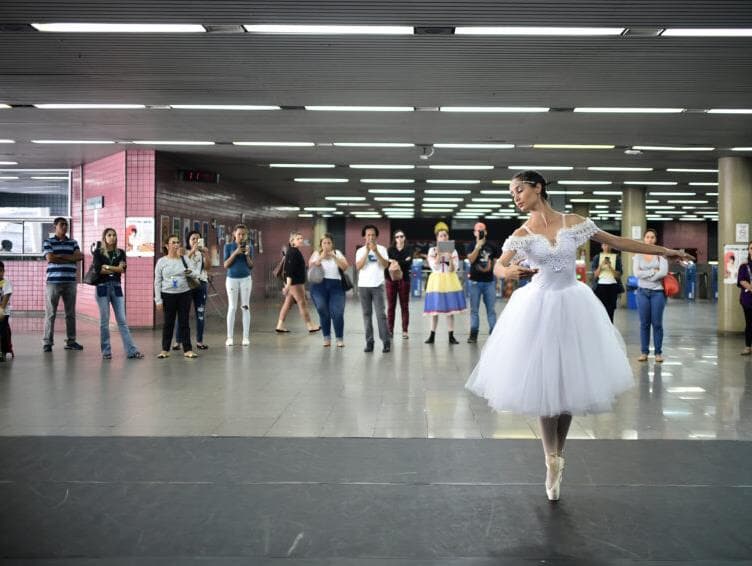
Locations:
538 359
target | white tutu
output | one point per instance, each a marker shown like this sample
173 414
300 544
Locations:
553 350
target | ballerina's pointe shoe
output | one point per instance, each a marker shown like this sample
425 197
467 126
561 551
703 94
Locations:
555 466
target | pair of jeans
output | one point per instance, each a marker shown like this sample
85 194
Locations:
176 304
372 298
486 290
401 289
650 304
329 299
198 296
242 287
111 293
54 292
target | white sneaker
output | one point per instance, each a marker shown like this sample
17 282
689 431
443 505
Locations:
229 342
246 342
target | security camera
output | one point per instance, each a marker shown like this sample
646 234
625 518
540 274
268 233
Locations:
427 151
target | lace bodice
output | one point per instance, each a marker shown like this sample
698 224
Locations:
556 262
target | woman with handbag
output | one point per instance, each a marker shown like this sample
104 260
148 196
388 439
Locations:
744 282
109 263
172 295
607 270
326 289
238 261
397 277
196 259
294 289
651 298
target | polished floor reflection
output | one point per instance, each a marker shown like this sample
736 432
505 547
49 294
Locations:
291 386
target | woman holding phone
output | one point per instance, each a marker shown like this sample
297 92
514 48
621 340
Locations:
238 256
444 294
196 258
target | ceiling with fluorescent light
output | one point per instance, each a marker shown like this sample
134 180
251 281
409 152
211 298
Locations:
421 71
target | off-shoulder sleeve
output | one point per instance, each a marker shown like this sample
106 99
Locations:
517 244
583 231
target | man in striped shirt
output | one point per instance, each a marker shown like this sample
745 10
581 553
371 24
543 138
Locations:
62 254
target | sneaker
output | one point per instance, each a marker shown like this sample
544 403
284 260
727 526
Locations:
473 338
73 346
229 342
369 347
245 342
47 348
387 347
106 356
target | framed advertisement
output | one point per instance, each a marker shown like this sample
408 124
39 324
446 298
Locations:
175 226
165 226
139 236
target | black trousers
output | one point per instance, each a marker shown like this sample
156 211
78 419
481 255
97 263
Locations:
5 344
607 295
176 304
748 327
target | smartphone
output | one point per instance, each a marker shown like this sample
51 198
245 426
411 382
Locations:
200 242
481 234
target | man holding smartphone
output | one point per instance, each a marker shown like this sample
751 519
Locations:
482 281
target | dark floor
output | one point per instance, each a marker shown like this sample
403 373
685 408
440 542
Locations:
372 501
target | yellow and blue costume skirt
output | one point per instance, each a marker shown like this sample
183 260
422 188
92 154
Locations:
444 294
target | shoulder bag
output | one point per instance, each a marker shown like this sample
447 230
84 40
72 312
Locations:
193 282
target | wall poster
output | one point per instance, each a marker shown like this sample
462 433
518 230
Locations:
733 256
139 236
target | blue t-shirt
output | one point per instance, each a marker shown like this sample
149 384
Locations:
61 272
239 268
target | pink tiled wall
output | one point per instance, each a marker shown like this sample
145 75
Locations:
686 235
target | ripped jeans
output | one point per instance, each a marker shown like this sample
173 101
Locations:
239 287
198 296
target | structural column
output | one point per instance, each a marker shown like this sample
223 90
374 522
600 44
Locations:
319 229
632 221
734 207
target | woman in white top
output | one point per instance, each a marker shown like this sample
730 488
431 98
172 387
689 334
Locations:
172 296
197 259
328 295
444 293
650 271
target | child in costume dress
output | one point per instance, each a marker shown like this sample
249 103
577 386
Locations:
539 358
444 293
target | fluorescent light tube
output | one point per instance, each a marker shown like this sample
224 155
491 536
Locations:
394 199
453 181
305 215
706 32
11 141
620 169
274 143
360 108
500 109
8 162
172 142
474 145
365 166
8 178
662 183
223 107
500 200
320 180
692 170
537 30
118 28
699 184
443 199
602 110
688 202
373 144
741 148
319 208
567 192
330 29
671 148
670 194
729 111
4 106
346 198
588 200
302 165
50 178
447 192
74 141
607 193
289 208
89 106
392 191
571 146
389 181
541 167
568 182
462 167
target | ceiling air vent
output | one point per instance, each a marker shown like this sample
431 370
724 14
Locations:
642 31
433 30
224 28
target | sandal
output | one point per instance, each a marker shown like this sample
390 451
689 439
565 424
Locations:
659 359
643 358
312 330
340 344
746 352
327 343
281 330
190 355
162 355
202 346
136 356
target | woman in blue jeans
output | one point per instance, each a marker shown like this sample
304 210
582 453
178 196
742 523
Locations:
650 271
109 261
328 296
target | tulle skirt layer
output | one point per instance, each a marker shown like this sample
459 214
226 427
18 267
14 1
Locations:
552 351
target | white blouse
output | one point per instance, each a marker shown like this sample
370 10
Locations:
331 269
